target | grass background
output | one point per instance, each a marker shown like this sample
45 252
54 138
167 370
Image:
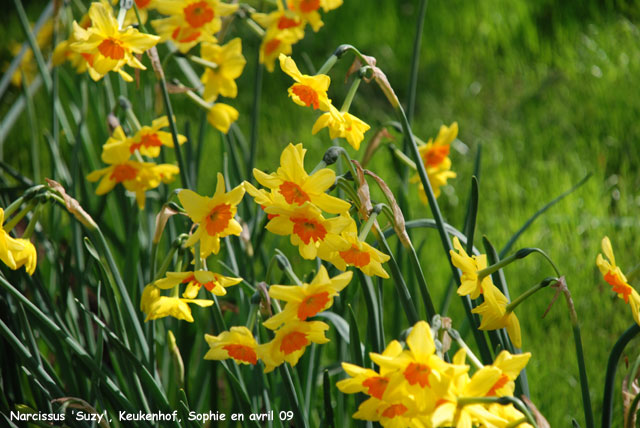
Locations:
549 89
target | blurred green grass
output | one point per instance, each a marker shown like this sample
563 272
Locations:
548 89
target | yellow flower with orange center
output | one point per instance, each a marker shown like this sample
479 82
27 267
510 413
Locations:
306 300
290 342
110 48
81 62
135 176
359 254
211 281
613 276
510 366
308 229
158 306
309 10
191 21
238 343
297 187
283 28
469 265
308 91
435 156
149 139
366 380
230 63
342 125
494 314
215 216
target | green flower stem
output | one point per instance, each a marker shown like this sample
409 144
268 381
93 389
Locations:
352 92
402 157
32 223
131 116
164 267
366 227
517 403
140 23
285 265
203 62
328 65
174 130
456 336
415 60
255 27
13 207
495 267
16 219
584 380
199 101
255 115
42 66
322 164
524 296
614 357
398 279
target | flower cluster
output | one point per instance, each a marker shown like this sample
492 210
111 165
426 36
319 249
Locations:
415 387
285 26
190 22
134 174
16 252
293 331
435 156
295 206
311 91
493 310
613 275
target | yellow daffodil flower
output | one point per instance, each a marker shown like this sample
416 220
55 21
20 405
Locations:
191 21
308 10
290 342
306 300
494 314
157 306
230 64
308 229
221 116
238 343
360 255
274 44
110 47
81 62
26 257
308 91
211 281
369 381
215 216
149 139
510 366
16 253
617 280
284 28
137 177
390 414
469 265
297 187
342 125
435 156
